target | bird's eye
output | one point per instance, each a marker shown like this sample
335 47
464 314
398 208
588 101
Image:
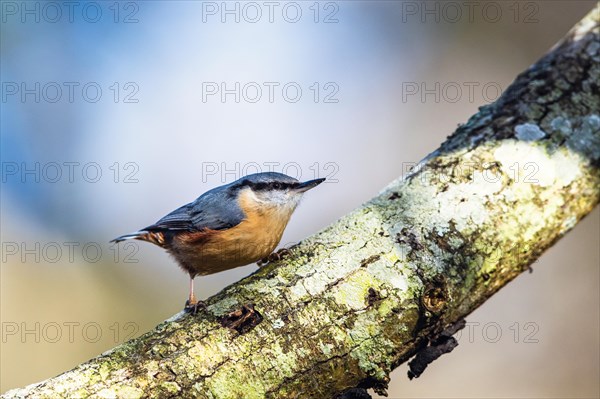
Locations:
277 186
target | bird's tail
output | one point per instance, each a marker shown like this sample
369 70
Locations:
155 237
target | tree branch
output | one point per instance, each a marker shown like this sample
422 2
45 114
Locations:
354 301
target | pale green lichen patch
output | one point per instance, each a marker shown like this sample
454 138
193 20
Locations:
585 138
170 387
316 283
278 323
385 271
528 164
313 316
325 348
373 350
208 354
297 292
529 132
104 370
224 306
305 269
236 381
120 391
562 125
568 224
455 242
268 286
152 368
386 307
283 356
339 263
353 291
462 204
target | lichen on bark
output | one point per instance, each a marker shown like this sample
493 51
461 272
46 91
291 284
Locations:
364 295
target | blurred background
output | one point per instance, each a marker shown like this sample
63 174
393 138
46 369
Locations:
115 113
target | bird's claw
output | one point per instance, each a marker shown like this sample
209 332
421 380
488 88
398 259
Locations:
274 257
195 307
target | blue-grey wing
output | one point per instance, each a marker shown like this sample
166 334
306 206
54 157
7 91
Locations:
216 209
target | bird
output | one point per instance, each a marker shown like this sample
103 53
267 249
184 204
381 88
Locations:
229 226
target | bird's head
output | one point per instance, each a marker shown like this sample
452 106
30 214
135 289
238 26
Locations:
274 190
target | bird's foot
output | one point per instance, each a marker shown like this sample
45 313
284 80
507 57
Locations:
195 307
274 257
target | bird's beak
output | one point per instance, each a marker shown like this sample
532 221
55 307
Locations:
307 185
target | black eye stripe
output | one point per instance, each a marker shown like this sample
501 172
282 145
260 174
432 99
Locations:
273 186
268 186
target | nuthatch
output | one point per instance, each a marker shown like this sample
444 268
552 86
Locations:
229 226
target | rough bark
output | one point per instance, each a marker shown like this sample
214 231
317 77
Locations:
354 301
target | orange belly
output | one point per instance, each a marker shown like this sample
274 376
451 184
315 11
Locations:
212 251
